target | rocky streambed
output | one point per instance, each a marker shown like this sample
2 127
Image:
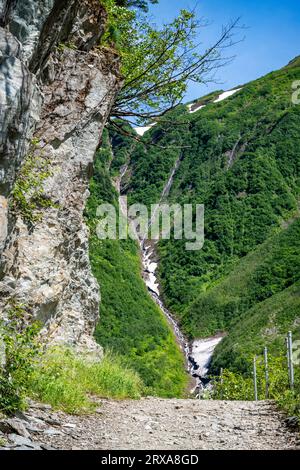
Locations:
198 353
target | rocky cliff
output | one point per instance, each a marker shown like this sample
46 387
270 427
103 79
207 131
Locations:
56 90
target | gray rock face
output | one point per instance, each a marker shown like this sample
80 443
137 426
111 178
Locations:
26 20
20 103
54 102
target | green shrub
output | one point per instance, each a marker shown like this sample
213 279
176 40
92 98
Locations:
66 380
289 402
19 349
237 386
28 196
233 386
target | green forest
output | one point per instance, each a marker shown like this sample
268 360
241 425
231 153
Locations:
131 324
241 159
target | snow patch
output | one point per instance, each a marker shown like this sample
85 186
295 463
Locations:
202 352
226 94
142 130
190 106
221 97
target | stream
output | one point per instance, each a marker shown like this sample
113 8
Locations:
198 354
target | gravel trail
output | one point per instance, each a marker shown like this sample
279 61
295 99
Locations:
158 424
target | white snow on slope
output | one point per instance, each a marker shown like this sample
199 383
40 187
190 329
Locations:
222 97
196 109
202 352
226 94
141 130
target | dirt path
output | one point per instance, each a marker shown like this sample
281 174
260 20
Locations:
165 425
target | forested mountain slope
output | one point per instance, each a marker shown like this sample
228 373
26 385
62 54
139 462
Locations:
131 324
241 158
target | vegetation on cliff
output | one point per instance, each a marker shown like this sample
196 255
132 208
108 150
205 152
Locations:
157 63
58 376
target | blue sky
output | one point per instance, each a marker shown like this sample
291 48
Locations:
272 35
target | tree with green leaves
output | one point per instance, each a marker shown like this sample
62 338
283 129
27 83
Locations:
158 63
142 4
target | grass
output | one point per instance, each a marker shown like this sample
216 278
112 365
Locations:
2 442
67 381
